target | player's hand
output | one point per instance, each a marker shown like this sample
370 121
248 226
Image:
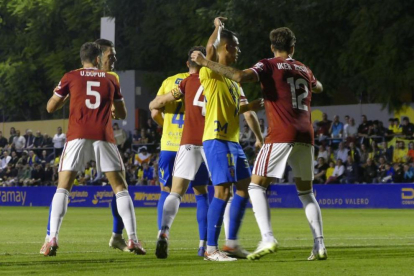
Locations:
218 21
198 58
258 144
256 105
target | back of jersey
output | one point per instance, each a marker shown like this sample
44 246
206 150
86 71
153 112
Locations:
92 93
287 91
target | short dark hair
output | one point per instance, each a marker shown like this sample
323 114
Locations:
195 48
89 51
104 44
282 39
227 35
406 119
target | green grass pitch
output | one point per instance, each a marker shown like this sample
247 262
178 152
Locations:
359 242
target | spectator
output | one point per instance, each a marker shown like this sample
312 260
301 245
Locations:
364 154
143 137
47 141
374 152
37 175
136 137
351 174
47 175
245 137
23 174
148 173
263 127
3 141
12 135
376 132
154 137
151 126
389 173
330 170
396 127
5 160
370 172
337 173
400 153
346 124
18 143
38 142
354 153
32 159
9 176
323 127
29 139
322 152
336 130
342 152
407 128
398 173
363 130
387 152
59 141
142 156
382 169
330 154
120 137
44 158
131 175
320 171
351 132
410 153
408 173
14 158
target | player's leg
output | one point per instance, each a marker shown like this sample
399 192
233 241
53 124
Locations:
59 208
222 175
270 163
165 169
301 161
117 241
201 195
226 218
44 246
108 160
238 204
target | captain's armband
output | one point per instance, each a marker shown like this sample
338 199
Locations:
177 94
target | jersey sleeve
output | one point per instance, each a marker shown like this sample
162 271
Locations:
261 68
62 90
179 91
161 91
313 80
243 98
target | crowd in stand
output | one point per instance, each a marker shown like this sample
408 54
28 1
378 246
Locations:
344 153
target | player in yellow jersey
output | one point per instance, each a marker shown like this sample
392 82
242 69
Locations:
172 123
225 157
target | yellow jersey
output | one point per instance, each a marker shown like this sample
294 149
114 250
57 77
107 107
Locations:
222 97
115 75
173 115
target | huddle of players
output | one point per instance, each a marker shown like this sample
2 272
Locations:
214 91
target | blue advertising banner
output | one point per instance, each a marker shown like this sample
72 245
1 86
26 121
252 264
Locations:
391 196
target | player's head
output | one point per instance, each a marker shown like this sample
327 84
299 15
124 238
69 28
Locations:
192 64
89 53
283 40
229 46
108 57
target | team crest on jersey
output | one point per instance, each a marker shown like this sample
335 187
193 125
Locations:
188 147
177 81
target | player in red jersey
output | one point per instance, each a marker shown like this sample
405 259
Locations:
95 97
287 85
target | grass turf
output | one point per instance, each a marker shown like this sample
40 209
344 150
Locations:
359 242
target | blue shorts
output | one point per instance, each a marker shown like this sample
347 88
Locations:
166 166
226 161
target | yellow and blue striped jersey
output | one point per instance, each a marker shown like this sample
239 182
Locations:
173 115
222 97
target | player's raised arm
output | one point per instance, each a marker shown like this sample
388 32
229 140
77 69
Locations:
214 39
160 101
318 88
247 75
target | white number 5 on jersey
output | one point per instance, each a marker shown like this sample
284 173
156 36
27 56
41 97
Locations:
93 93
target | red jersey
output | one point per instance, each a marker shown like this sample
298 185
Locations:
92 93
287 92
194 120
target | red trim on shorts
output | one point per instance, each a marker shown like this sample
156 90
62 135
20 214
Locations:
267 160
258 160
62 157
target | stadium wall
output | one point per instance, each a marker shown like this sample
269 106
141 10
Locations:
369 196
